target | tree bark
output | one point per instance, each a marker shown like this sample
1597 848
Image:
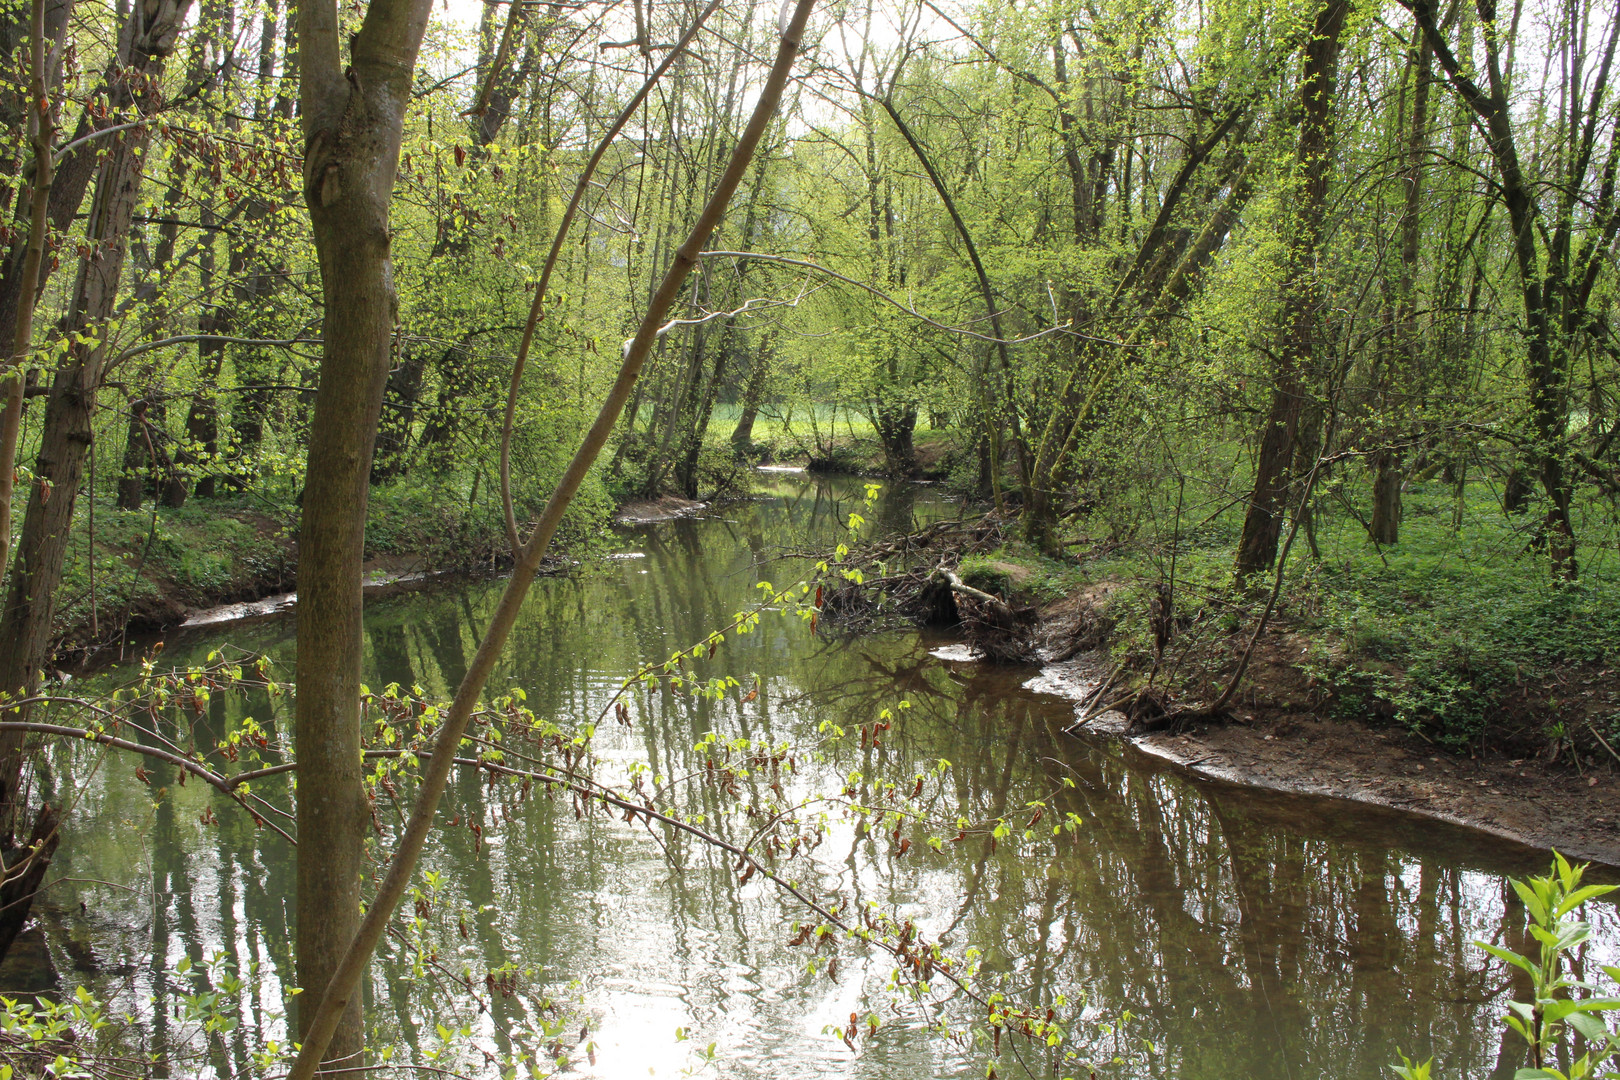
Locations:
759 374
1407 349
353 120
1546 329
23 881
25 620
254 289
337 999
1302 298
41 142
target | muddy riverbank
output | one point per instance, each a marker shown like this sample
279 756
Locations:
1526 800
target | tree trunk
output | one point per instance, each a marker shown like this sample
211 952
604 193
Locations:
26 620
324 1021
1302 298
1407 349
76 170
1516 492
202 418
697 424
759 375
46 23
353 121
148 407
896 424
1089 368
1386 510
254 289
1546 335
132 477
403 391
147 468
22 882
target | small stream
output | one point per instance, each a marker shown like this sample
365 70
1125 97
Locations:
1247 934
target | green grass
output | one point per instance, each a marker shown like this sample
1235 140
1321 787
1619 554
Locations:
784 425
157 562
146 562
1035 579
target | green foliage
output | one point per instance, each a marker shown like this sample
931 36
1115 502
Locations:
1560 1002
1444 633
153 563
981 572
454 520
80 1037
1449 625
1016 571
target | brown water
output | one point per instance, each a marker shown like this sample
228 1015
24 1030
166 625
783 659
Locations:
1248 935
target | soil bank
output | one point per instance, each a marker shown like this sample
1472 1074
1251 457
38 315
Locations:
1530 801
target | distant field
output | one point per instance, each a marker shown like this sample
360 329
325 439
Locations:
777 424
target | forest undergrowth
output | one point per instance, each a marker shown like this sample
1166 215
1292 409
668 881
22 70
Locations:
1455 634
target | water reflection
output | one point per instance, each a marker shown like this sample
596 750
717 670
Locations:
1249 935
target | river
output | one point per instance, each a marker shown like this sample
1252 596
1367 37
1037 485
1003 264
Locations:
1244 934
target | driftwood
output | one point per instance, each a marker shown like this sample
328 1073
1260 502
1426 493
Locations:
993 628
913 578
1092 629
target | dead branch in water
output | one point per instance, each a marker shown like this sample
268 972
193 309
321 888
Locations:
913 579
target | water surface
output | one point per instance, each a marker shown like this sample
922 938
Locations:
1246 934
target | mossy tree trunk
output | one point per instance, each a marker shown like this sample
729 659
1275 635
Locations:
1277 463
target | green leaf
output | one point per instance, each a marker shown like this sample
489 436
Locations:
1581 896
1509 955
1589 1026
1538 910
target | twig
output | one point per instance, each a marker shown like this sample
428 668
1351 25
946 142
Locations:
1593 728
1276 588
1089 711
226 786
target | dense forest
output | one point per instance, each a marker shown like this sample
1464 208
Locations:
1109 251
1296 314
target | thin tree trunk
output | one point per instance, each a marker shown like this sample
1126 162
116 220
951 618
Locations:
41 133
403 392
1546 360
255 288
1006 409
1408 349
148 406
1089 366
